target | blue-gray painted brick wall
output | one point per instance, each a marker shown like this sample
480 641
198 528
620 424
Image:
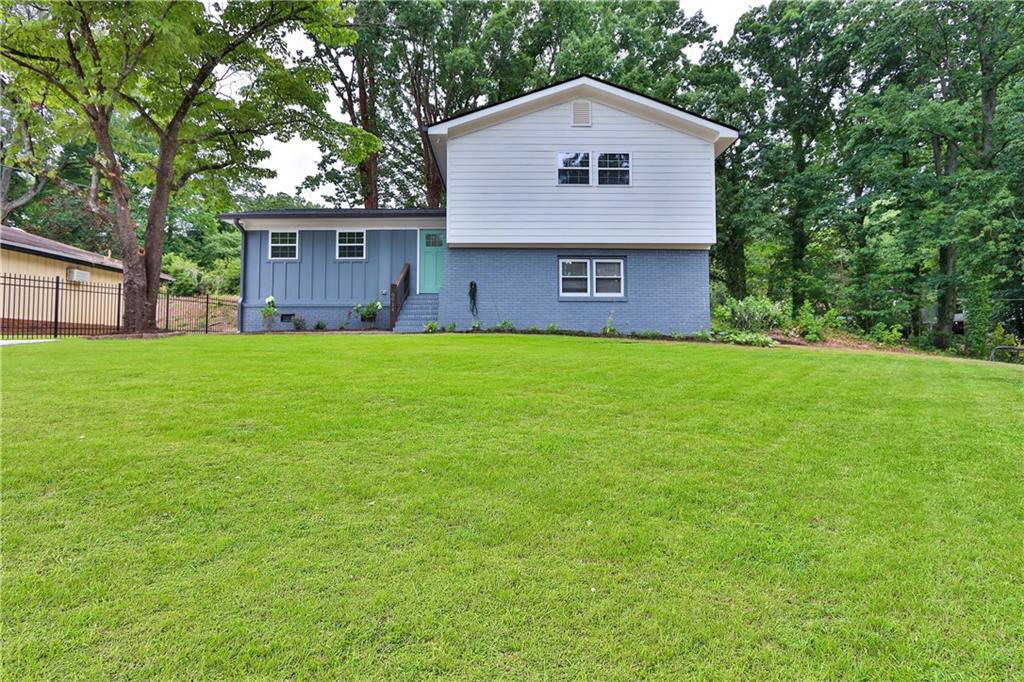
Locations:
332 317
666 290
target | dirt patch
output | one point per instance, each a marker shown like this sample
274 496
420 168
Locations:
838 341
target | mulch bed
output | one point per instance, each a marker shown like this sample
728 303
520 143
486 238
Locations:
148 335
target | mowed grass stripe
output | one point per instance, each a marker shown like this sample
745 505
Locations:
495 506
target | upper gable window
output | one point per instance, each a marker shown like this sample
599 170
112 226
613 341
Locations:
574 168
284 245
352 245
581 113
613 168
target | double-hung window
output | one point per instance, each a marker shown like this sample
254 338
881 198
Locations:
351 245
613 168
574 277
574 168
284 245
608 278
592 277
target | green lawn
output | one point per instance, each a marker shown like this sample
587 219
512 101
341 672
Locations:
507 506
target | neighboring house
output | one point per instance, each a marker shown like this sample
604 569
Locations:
24 253
571 205
30 266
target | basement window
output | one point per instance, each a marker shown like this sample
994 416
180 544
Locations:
284 245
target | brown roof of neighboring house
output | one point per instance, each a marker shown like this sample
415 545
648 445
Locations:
16 239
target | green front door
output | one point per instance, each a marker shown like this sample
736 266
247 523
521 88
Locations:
431 260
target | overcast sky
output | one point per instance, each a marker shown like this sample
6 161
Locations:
296 159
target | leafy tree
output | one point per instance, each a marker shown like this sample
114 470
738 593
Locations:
200 85
799 54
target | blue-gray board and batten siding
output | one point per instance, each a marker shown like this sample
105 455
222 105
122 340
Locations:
666 290
317 285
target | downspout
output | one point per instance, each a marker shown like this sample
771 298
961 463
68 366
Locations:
241 283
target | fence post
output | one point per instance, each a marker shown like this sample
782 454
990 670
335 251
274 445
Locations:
207 314
117 319
56 306
167 310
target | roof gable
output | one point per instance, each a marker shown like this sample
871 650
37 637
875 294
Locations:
581 87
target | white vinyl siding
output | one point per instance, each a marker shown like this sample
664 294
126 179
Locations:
284 245
500 188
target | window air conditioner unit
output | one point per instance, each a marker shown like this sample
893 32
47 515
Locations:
76 275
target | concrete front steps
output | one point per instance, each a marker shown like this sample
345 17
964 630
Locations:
417 311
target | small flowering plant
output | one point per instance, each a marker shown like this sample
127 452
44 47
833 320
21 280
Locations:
269 312
367 312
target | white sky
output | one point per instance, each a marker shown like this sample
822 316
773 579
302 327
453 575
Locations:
297 158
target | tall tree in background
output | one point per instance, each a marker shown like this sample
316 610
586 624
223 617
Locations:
432 60
799 53
167 69
744 206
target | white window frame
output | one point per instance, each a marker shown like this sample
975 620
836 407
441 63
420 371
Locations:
621 277
561 292
597 168
271 245
560 167
337 246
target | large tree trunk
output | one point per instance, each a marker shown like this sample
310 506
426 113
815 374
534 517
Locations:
434 185
947 254
947 296
799 238
367 82
139 308
731 251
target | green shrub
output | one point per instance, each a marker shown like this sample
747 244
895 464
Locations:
476 325
752 314
609 326
552 328
320 325
1001 337
432 327
745 338
367 312
186 273
702 335
223 277
809 327
450 327
890 335
647 334
299 323
505 326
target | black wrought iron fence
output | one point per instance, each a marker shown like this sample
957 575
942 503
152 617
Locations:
33 306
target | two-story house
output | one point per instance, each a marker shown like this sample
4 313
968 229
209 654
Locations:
569 205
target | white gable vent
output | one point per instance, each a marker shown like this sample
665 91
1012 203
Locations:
581 113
